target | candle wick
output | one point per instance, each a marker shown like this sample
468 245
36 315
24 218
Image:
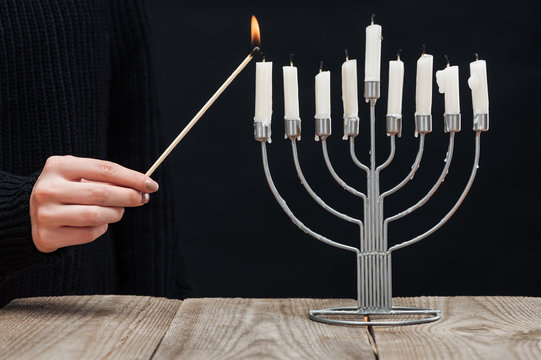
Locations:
424 49
372 19
398 54
446 59
321 66
291 59
476 57
347 54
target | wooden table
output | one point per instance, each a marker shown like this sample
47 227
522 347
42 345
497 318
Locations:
133 327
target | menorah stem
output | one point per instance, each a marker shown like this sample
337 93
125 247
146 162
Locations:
457 204
314 195
385 268
288 211
421 202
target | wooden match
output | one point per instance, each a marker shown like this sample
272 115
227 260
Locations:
202 111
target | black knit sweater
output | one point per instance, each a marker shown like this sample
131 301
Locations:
76 79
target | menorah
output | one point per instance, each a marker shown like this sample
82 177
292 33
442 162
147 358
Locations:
374 278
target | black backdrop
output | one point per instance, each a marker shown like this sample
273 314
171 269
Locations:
235 238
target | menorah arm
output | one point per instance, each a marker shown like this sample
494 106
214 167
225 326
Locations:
288 211
335 175
423 201
413 170
313 194
391 155
457 204
354 156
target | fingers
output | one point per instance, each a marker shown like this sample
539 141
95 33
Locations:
68 236
93 193
79 215
102 171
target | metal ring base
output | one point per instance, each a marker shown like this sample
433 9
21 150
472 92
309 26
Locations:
371 90
292 128
431 315
480 122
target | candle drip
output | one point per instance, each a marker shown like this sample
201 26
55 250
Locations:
291 59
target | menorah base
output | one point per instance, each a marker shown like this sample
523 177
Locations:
426 316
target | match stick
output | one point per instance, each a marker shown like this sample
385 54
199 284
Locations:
202 111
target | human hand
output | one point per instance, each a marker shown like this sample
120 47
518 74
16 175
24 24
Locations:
74 199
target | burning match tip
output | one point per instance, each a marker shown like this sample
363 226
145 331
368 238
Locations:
255 50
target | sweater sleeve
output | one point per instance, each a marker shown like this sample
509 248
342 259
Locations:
148 254
17 249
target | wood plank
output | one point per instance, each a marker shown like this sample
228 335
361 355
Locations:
84 327
260 328
470 328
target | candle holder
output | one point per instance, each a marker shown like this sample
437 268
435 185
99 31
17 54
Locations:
374 278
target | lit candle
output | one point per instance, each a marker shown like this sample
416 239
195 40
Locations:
423 90
291 92
323 95
263 92
396 85
479 87
372 52
447 80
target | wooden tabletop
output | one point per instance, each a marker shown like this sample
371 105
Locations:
134 327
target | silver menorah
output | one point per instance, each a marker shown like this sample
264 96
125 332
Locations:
374 278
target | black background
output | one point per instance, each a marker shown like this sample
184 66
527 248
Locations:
236 239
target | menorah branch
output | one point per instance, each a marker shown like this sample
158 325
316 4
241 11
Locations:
313 194
457 204
288 211
335 175
412 172
353 155
433 190
391 155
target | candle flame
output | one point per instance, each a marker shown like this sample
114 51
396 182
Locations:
256 34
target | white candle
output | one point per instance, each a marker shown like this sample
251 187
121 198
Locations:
479 87
372 53
447 80
349 88
423 90
291 93
396 85
263 92
323 95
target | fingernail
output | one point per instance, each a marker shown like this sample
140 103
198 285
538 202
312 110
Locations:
146 198
151 185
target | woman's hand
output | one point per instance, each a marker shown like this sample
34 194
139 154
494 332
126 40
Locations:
74 199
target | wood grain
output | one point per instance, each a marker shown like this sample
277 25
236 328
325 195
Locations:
470 328
260 329
84 327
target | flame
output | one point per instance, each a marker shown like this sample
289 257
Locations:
256 35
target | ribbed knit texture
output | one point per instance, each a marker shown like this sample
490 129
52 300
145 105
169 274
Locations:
76 79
